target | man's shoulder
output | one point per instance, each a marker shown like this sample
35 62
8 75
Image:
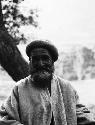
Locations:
23 82
61 80
66 87
66 84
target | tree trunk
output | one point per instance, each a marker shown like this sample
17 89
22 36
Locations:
10 57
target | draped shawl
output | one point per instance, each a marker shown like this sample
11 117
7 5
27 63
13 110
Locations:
31 106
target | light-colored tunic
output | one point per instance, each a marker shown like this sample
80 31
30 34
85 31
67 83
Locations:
28 105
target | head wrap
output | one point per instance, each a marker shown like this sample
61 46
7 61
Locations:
42 44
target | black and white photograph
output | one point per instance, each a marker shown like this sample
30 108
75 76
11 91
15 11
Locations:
47 62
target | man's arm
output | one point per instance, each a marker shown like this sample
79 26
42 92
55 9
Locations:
84 116
9 111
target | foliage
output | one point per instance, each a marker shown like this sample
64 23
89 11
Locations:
14 19
78 64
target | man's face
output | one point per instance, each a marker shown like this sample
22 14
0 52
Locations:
41 67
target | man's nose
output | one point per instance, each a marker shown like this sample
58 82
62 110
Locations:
41 63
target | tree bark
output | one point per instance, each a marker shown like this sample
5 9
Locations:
10 57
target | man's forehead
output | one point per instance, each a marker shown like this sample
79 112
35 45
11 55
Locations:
39 51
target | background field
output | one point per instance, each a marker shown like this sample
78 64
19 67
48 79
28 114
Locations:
6 84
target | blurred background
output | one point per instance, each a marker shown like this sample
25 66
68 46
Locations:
70 25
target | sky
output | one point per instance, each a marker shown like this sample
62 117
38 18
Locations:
65 22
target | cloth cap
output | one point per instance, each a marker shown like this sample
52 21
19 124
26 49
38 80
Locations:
42 44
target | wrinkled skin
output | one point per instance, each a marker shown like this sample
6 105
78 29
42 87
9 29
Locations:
41 68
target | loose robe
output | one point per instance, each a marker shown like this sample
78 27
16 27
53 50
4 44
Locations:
29 105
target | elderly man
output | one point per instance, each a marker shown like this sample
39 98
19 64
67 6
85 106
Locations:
42 98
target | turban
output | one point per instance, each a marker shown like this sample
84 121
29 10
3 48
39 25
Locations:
42 44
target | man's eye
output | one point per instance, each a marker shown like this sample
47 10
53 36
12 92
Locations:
35 59
45 57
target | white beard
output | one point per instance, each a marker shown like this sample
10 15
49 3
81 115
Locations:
42 79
